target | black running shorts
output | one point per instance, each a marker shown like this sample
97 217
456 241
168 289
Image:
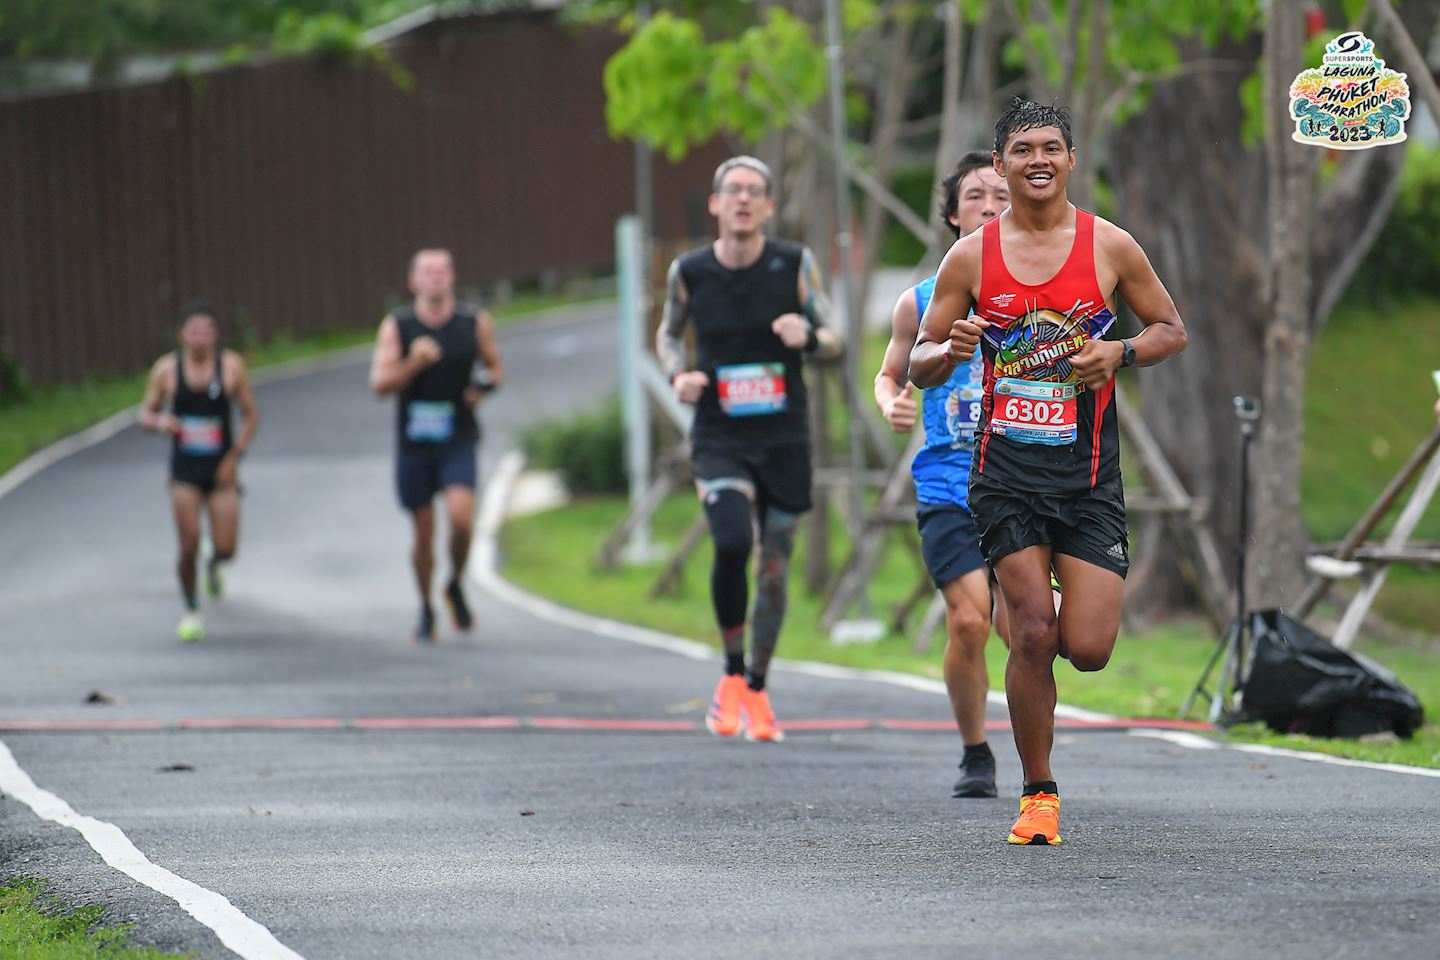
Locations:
948 542
781 475
197 472
1088 524
421 471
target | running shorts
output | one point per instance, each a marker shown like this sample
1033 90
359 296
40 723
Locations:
1086 524
949 542
423 471
781 475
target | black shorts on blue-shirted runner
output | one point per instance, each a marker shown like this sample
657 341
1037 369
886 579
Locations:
949 542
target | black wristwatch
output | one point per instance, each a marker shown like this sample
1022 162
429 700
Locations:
1127 359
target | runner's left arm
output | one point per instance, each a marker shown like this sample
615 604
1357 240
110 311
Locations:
489 352
817 324
1164 335
245 400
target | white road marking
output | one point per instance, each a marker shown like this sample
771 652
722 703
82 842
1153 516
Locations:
1334 761
59 450
1191 741
247 938
485 572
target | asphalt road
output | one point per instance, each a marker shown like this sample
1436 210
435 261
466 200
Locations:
533 841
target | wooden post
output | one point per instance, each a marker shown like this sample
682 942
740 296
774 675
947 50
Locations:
817 522
1409 517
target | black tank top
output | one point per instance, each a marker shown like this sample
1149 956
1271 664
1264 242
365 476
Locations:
756 395
432 408
204 415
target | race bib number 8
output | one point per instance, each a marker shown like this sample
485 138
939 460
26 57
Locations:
751 389
430 421
1030 411
201 436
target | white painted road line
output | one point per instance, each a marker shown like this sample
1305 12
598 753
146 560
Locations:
247 938
486 573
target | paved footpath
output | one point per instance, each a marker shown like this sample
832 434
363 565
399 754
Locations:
533 835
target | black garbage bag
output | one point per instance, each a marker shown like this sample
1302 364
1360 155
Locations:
1300 683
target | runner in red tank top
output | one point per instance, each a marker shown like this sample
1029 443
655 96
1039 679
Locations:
1045 488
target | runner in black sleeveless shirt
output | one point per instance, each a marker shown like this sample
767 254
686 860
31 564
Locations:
758 306
201 382
427 353
1043 279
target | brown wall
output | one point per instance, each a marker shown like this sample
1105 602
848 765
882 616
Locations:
290 194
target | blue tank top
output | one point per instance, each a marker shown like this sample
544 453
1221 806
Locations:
950 413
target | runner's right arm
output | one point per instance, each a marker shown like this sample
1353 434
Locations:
948 334
153 416
670 340
390 369
893 391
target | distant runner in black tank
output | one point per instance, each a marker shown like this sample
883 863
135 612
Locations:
201 382
759 307
441 358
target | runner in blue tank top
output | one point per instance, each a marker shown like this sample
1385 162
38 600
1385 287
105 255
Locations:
973 193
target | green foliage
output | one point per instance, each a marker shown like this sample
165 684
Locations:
14 388
588 450
1405 261
914 184
673 87
1141 38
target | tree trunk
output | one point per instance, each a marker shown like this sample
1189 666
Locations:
948 151
1195 211
1278 548
1198 202
893 95
980 107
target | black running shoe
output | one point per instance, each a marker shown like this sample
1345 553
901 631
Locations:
425 629
459 612
977 777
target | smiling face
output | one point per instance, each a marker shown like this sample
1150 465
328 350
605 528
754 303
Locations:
1036 164
742 203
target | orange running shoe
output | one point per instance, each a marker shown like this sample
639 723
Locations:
1039 821
760 724
723 720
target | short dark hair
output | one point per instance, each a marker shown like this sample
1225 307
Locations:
196 308
415 258
1024 115
949 188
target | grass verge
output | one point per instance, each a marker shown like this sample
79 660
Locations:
37 927
50 413
552 553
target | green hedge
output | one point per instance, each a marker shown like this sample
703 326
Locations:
588 450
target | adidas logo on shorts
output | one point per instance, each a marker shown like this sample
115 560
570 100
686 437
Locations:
1116 552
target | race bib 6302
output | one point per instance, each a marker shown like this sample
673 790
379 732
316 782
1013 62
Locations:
1034 411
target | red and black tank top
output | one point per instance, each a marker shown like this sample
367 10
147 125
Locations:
1040 429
